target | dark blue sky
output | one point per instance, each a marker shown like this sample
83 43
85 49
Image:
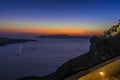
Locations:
66 12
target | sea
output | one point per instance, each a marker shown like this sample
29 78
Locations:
38 58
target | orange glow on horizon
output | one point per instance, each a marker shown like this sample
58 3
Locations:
50 31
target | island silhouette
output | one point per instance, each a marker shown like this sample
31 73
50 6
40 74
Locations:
62 36
5 41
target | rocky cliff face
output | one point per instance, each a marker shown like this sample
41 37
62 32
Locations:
104 48
101 49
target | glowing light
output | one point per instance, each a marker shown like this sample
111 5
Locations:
102 73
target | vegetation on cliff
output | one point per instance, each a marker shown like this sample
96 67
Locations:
114 30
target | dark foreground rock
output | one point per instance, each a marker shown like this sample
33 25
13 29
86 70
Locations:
5 41
101 49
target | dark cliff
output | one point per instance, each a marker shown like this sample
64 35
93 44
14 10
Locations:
101 49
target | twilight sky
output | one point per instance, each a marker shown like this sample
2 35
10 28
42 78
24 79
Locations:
58 16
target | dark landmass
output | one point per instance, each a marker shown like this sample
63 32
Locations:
61 36
102 48
5 41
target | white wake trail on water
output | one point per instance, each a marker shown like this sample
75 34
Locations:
20 50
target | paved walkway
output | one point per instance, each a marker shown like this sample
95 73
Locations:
103 71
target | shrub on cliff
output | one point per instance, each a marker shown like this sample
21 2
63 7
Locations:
114 30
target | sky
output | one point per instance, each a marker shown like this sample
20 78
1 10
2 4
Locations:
77 17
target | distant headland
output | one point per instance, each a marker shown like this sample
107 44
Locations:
5 41
61 36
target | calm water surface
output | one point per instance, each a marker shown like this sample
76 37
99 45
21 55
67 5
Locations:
38 58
